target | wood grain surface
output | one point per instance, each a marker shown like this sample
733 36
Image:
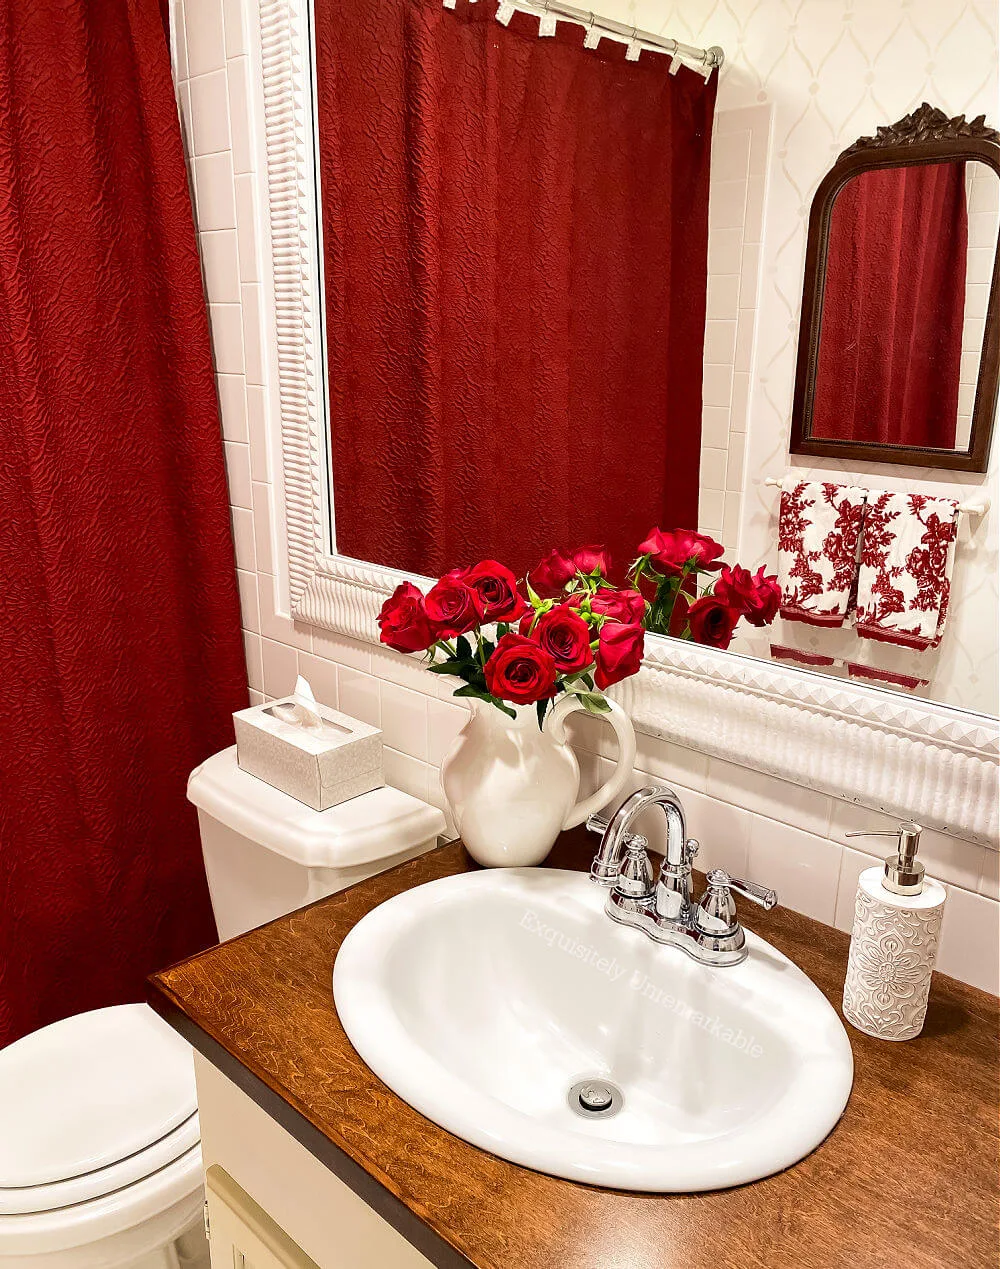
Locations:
909 1178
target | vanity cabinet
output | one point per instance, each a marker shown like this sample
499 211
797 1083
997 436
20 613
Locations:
271 1204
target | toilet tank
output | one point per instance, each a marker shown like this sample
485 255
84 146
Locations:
267 853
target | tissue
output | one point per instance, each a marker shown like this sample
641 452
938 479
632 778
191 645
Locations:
311 752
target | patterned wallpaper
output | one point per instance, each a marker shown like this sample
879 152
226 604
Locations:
832 70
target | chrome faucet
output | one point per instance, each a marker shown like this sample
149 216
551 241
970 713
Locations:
709 931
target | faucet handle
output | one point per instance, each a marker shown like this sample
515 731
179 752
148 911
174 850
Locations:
716 913
598 823
763 895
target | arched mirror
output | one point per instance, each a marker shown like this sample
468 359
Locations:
898 346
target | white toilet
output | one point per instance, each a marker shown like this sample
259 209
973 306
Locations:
100 1160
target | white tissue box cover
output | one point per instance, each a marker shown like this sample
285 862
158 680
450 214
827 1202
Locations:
321 771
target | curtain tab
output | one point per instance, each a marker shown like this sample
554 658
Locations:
449 4
593 35
675 64
547 24
505 11
633 49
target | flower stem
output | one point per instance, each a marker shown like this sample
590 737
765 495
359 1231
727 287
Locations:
673 603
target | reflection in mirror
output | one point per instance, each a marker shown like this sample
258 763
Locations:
898 358
901 327
515 231
515 238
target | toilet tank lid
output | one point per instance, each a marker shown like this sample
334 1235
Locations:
373 826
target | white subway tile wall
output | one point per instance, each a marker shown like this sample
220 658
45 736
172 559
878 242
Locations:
739 152
746 821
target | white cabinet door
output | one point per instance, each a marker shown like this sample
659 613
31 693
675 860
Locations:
241 1234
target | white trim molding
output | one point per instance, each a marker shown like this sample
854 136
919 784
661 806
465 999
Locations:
904 756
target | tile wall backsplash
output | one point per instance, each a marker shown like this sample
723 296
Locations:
747 822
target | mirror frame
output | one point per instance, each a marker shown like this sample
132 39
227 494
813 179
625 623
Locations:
905 757
925 136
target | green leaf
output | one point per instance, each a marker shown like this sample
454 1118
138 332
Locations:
540 707
595 703
463 648
504 709
443 667
535 598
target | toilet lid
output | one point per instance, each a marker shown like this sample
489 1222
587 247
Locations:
89 1092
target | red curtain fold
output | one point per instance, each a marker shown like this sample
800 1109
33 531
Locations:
119 621
515 234
891 338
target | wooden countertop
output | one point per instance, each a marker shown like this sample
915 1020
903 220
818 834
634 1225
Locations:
909 1177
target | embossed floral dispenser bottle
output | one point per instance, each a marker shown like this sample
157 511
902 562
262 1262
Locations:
897 919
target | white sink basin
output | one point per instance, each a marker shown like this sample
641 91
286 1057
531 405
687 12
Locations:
482 999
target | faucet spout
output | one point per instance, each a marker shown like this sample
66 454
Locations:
604 869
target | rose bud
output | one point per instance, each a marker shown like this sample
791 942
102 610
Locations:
754 596
565 636
521 671
403 622
453 607
551 575
670 552
619 653
712 622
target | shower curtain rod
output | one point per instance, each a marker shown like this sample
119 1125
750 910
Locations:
709 57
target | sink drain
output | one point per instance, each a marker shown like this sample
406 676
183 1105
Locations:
595 1099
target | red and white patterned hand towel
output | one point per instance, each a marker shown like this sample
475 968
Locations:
907 554
818 530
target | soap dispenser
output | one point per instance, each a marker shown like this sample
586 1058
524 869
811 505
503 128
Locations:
897 919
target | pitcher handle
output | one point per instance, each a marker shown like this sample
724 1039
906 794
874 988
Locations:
620 721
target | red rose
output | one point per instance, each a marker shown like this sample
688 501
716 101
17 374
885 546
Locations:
670 552
712 622
549 577
496 587
619 653
453 607
403 622
754 596
565 636
520 671
626 606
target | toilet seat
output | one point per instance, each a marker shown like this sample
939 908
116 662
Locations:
113 1230
91 1105
26 1199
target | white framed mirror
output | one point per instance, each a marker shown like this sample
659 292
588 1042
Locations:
904 755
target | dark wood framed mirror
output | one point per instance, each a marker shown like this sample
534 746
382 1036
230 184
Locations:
899 342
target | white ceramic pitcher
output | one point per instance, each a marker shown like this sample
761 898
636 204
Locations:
513 788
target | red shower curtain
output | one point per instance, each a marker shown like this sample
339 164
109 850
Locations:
515 236
891 336
119 626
